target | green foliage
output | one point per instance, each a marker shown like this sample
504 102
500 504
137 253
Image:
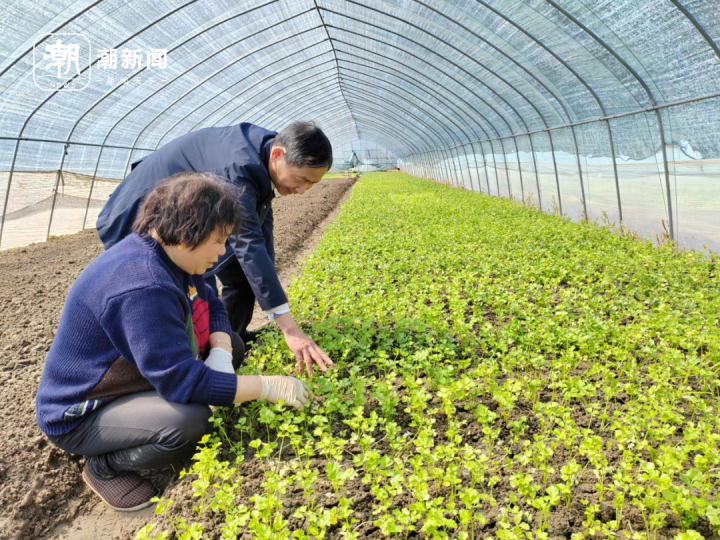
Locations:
495 365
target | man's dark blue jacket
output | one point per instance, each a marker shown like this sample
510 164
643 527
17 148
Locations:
239 154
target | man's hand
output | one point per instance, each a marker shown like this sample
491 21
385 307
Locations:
305 349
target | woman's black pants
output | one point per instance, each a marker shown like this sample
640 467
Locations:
140 432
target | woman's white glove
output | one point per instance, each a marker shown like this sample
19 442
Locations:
292 391
220 360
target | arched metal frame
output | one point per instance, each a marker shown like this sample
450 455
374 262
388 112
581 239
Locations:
238 95
650 96
337 65
32 114
473 76
197 85
587 86
469 105
434 148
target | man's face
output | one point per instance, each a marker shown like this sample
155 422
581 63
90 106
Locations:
290 180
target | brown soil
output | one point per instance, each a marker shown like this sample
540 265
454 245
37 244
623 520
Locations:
42 493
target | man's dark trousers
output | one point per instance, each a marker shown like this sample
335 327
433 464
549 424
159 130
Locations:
237 295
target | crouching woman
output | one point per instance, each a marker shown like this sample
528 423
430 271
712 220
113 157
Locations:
144 346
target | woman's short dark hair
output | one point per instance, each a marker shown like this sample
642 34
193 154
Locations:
305 145
187 207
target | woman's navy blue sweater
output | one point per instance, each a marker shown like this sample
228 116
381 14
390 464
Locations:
132 321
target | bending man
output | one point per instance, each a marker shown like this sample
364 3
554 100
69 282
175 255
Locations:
255 160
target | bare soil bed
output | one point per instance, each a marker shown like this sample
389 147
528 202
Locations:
42 492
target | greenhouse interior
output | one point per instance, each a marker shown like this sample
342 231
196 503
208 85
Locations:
495 315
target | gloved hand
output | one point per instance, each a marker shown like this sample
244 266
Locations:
220 360
292 391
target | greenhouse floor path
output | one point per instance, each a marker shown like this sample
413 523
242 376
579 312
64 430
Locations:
42 494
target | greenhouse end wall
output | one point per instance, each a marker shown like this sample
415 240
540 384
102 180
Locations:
604 180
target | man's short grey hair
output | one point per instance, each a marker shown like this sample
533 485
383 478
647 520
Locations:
305 145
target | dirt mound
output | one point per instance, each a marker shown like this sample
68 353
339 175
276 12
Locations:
43 494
